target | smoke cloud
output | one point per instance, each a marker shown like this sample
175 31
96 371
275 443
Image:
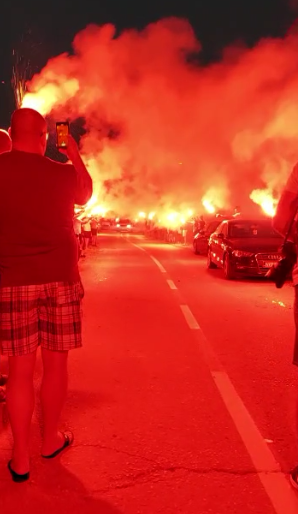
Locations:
162 132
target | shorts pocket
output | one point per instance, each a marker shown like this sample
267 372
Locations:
65 293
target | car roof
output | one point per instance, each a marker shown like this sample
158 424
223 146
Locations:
248 220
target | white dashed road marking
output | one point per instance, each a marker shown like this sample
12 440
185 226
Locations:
190 319
171 284
160 266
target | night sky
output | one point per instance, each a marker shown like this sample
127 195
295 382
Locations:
39 30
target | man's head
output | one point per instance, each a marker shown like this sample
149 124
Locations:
28 131
5 141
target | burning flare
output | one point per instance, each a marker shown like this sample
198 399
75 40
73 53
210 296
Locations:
208 206
265 199
50 95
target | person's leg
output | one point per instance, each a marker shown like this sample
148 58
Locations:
60 331
20 405
53 393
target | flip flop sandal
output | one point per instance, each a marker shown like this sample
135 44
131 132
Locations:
294 477
69 438
3 379
16 476
2 395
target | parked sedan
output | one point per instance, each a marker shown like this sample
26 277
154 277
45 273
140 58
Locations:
201 238
244 248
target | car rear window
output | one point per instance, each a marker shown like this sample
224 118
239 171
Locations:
252 229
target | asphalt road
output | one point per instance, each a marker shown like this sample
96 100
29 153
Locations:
182 399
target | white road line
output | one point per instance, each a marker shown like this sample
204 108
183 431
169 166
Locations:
171 284
189 317
160 266
139 247
278 489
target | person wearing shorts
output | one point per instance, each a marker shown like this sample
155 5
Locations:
5 146
286 212
40 285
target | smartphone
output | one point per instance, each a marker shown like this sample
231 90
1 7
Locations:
62 131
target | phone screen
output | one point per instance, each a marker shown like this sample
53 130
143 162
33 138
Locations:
62 129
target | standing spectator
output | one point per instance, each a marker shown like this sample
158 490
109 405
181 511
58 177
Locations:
94 231
40 288
86 228
77 226
202 223
5 146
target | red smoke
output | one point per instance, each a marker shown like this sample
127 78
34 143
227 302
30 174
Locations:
161 130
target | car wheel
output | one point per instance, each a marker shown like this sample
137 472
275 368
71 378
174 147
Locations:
210 263
228 268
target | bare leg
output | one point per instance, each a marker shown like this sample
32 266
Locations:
20 405
53 393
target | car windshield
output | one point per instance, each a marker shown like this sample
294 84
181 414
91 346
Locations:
252 229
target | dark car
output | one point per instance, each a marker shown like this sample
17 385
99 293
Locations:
244 247
201 238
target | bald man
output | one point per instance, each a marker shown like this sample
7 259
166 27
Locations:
40 286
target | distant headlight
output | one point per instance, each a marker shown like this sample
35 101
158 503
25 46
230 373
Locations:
240 253
118 225
128 226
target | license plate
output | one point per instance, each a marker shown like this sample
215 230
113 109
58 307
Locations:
269 264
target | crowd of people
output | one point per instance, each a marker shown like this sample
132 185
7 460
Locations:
86 230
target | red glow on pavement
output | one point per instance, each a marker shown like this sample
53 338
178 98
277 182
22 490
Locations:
161 131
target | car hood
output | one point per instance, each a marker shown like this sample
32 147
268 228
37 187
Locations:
257 245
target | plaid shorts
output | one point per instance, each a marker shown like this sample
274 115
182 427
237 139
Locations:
49 315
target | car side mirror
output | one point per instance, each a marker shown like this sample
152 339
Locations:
220 235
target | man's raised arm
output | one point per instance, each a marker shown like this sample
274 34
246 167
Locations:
84 182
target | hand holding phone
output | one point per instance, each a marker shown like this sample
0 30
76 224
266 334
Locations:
72 150
62 133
